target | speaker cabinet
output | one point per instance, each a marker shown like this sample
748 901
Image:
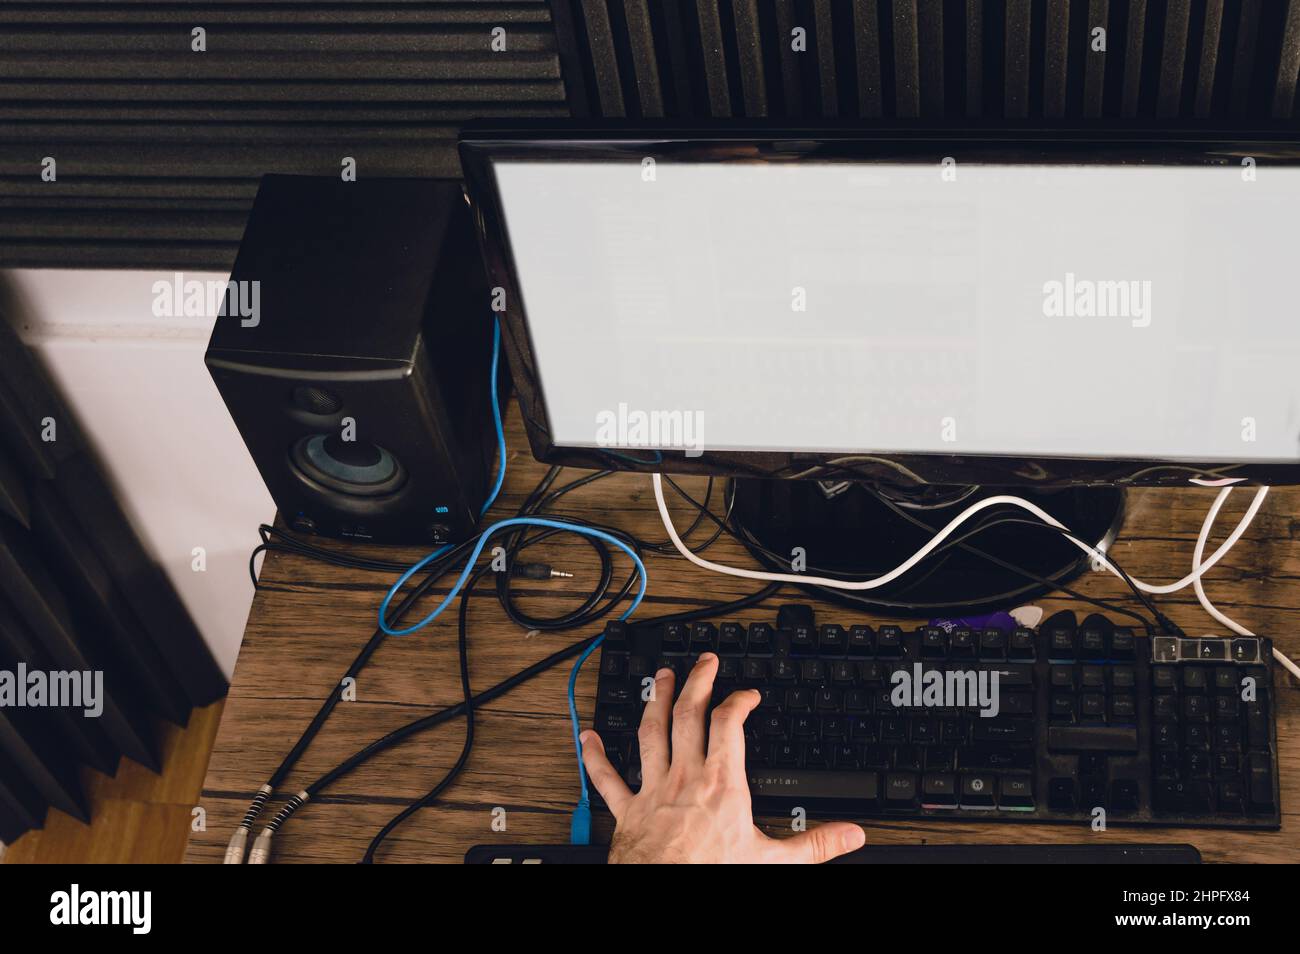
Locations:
354 353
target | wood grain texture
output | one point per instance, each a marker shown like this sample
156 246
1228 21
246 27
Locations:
308 621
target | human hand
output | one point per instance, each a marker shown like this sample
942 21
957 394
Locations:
695 806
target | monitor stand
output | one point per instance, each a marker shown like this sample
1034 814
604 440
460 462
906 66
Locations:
863 531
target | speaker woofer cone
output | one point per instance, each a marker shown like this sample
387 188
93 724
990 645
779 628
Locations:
357 468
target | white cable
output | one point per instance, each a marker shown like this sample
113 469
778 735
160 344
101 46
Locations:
943 534
1201 539
1237 533
1199 568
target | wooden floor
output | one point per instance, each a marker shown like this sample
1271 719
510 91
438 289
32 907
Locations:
136 816
308 621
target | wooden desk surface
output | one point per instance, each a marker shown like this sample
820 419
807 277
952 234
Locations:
309 620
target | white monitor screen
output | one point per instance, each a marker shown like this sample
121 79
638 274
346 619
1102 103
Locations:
1136 311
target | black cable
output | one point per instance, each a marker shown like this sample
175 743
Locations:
433 573
1142 597
667 546
427 722
590 610
462 648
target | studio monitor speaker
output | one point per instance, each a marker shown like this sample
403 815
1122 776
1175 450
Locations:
354 353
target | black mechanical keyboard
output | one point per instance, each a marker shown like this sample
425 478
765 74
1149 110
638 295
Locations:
1153 731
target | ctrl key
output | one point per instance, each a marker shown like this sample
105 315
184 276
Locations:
1017 793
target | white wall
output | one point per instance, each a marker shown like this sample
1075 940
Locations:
141 393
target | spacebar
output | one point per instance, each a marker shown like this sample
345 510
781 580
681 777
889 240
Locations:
774 782
1091 739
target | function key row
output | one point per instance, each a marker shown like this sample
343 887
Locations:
763 639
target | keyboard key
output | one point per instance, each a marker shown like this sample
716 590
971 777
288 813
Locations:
862 641
832 641
978 791
1017 703
1092 739
616 693
997 758
900 790
1124 795
799 699
616 636
826 700
1231 797
1011 675
812 672
1259 773
784 669
1062 796
704 638
1016 792
1123 707
1091 643
1060 643
850 786
848 756
674 638
803 641
993 644
877 756
934 643
1245 650
731 639
1007 731
889 641
908 757
1022 644
938 790
616 719
871 673
1213 649
939 758
862 729
761 638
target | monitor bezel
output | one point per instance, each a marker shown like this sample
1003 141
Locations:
484 143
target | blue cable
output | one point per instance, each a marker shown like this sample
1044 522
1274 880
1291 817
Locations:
580 829
496 419
501 467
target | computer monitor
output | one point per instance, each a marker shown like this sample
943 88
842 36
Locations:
900 320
